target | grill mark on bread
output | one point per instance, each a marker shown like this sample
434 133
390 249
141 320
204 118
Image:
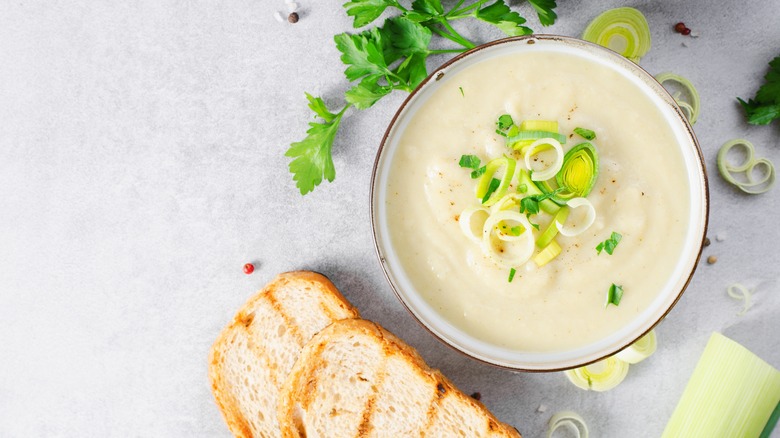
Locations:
292 327
311 383
435 402
365 422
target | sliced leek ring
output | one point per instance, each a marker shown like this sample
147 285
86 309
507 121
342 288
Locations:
578 173
741 293
639 350
490 169
623 30
471 229
570 420
510 251
600 376
690 108
752 186
549 171
571 230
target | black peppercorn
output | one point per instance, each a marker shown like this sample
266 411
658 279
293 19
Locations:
293 17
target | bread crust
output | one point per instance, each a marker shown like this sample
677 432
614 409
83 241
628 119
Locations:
299 388
333 304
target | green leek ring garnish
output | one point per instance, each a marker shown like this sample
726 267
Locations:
600 376
551 170
639 350
749 167
578 173
690 108
484 181
623 30
569 419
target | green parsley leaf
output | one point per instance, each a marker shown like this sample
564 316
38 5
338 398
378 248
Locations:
609 244
318 106
479 172
587 134
765 107
366 11
614 295
544 9
362 53
499 15
529 205
469 161
429 7
512 272
405 36
367 92
504 122
494 183
312 159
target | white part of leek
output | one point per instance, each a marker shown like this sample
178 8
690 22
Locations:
466 219
576 229
522 246
569 419
741 293
551 170
600 376
639 350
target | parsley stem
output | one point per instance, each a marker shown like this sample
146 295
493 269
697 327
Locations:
398 5
453 14
452 35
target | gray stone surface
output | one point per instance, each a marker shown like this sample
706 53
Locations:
141 165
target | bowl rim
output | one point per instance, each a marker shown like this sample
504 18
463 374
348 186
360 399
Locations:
436 75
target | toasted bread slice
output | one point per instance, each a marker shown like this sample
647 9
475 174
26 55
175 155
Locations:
355 379
254 354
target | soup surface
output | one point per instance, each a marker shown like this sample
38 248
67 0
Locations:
641 193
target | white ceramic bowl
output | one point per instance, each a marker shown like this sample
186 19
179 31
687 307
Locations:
530 360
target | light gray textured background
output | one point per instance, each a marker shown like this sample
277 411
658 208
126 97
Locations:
141 165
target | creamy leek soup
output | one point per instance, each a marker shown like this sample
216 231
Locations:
641 192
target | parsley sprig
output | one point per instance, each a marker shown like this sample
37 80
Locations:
392 57
765 107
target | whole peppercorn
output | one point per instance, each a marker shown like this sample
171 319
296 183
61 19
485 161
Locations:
686 31
712 260
249 268
293 17
679 27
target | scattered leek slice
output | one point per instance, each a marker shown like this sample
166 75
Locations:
484 181
511 250
600 376
741 293
471 229
532 190
569 419
578 173
623 30
748 167
691 108
546 255
549 171
571 230
540 128
587 134
639 350
731 393
552 230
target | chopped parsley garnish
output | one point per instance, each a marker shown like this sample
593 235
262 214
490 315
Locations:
512 273
765 107
479 172
470 161
587 134
505 122
530 204
609 244
494 183
614 295
461 91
